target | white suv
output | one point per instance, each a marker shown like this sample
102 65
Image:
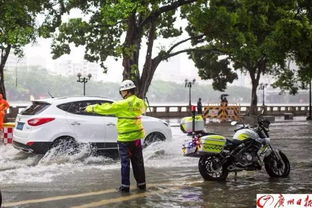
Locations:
50 122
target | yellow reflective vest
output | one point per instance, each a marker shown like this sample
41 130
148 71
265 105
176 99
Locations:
128 112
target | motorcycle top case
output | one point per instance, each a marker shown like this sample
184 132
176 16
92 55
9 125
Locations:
206 144
186 124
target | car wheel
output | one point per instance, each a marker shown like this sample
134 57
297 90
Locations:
153 137
65 145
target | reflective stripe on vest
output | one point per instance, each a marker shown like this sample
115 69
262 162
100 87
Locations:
127 132
134 118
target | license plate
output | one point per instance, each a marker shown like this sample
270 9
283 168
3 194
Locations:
20 126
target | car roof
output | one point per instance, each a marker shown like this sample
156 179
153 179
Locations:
60 100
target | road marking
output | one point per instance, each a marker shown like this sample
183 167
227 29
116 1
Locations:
56 198
122 199
64 197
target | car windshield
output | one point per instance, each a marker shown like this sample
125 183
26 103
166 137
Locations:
35 108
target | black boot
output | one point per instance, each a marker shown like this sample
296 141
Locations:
142 187
124 189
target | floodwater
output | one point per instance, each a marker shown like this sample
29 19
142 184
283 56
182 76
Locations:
82 180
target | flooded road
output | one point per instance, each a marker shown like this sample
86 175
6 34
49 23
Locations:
173 180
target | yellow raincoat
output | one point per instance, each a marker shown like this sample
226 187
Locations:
128 112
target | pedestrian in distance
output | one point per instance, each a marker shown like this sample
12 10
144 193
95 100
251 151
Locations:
224 101
199 107
130 132
4 105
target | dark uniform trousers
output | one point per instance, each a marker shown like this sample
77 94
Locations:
131 151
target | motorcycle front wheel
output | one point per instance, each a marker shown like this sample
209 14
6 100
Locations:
211 169
275 167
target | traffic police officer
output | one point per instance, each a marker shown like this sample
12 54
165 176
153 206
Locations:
130 132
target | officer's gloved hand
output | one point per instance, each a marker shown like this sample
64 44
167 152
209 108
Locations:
89 108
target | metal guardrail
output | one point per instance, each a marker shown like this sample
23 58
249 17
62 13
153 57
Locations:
178 111
270 110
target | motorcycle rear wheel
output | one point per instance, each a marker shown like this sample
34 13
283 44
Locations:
210 168
276 168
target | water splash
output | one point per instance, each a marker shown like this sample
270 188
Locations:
168 153
18 167
72 155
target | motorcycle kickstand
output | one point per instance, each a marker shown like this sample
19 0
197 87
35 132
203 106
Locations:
235 176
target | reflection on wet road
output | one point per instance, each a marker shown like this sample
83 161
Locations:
173 180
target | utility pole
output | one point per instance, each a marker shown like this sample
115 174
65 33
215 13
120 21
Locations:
310 102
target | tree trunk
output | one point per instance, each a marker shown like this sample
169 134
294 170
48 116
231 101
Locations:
150 64
255 74
147 77
4 57
131 52
254 98
132 44
255 77
130 62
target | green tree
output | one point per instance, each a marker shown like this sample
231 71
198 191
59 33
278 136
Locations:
242 32
119 28
18 26
295 32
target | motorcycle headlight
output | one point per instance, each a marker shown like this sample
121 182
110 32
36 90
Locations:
267 140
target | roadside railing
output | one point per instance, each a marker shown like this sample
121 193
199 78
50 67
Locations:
174 111
179 111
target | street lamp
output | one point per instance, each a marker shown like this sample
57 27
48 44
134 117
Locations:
261 87
310 101
83 80
189 83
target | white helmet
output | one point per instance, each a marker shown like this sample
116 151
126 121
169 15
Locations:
126 85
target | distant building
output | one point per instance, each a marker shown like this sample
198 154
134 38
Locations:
176 69
70 68
59 67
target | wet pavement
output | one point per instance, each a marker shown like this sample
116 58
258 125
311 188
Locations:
173 180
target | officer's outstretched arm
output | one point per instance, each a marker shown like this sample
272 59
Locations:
109 108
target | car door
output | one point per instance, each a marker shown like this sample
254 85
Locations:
89 127
111 130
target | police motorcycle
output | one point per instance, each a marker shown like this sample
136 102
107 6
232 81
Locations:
249 149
